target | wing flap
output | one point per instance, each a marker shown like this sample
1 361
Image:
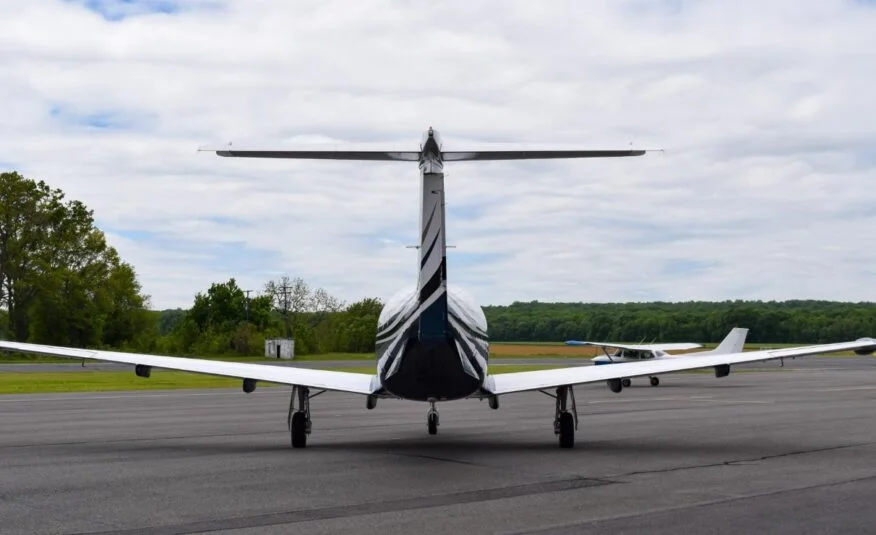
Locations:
358 383
522 381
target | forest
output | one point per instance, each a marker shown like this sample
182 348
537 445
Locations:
804 322
61 283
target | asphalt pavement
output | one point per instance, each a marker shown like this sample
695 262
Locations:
759 452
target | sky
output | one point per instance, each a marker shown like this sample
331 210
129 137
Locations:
766 189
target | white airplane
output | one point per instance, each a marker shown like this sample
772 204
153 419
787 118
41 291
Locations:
732 343
432 343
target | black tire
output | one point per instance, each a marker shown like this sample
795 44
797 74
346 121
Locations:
567 430
626 383
299 430
432 422
655 381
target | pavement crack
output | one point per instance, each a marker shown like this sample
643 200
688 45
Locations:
368 508
742 462
440 459
576 527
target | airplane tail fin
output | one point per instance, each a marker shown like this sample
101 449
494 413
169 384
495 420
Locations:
432 284
732 343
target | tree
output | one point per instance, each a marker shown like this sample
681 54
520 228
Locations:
4 324
360 325
60 282
291 298
221 308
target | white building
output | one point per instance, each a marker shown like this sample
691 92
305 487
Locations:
280 348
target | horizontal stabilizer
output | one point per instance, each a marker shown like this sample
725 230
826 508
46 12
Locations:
414 156
374 156
488 155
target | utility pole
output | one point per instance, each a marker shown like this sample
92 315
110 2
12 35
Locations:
247 304
285 289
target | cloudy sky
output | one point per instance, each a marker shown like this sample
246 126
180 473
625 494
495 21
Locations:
767 188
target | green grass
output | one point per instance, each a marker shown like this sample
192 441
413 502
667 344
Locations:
94 381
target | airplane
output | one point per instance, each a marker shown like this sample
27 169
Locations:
732 343
432 344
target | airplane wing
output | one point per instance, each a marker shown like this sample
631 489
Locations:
637 347
404 156
507 383
484 155
358 383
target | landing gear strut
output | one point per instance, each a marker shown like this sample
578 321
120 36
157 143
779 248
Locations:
432 419
298 420
565 420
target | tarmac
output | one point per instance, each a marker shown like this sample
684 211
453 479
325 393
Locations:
788 450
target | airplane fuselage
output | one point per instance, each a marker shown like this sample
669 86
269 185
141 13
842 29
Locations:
432 342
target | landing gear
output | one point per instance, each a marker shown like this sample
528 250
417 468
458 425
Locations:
299 430
432 419
655 381
298 420
494 402
565 420
626 383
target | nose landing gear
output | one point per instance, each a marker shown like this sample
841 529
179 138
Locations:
432 418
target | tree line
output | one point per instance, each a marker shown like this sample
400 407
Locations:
796 321
61 283
224 320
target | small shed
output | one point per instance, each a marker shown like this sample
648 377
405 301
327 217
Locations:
280 348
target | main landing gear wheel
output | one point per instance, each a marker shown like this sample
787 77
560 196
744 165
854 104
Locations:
298 420
299 430
626 383
655 381
432 419
567 430
565 420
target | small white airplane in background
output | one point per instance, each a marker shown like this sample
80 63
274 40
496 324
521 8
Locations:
432 343
732 343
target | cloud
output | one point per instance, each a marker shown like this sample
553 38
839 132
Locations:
766 189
